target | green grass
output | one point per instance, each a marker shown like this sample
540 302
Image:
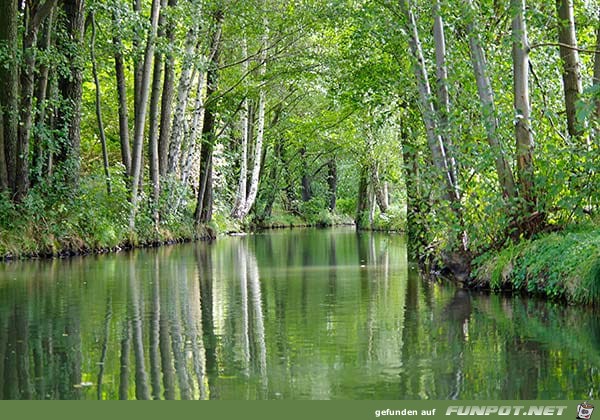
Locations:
50 222
563 265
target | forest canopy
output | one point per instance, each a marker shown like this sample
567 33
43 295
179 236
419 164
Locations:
466 123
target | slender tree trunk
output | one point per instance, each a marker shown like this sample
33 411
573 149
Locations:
40 93
99 105
363 204
36 14
140 118
167 98
3 174
488 108
26 105
153 155
443 108
434 140
183 93
122 93
9 86
332 184
70 85
203 212
380 198
571 67
596 77
240 201
138 60
523 133
305 180
262 98
195 130
193 134
415 220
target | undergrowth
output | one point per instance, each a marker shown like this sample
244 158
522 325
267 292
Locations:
564 265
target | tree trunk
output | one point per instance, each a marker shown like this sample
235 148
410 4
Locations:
332 184
262 99
153 156
40 93
570 59
70 87
488 109
434 140
3 174
415 217
167 98
195 131
240 200
363 205
36 13
183 93
596 77
9 86
138 60
305 180
380 197
443 108
99 105
203 212
26 96
140 118
122 93
523 134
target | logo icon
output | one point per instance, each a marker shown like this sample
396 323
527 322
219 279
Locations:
584 410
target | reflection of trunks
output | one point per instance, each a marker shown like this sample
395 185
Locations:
584 411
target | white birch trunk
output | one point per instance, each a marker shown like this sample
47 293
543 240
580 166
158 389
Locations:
240 201
193 134
261 128
183 93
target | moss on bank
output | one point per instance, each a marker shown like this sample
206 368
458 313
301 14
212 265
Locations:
560 265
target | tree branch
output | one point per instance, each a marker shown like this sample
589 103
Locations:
560 44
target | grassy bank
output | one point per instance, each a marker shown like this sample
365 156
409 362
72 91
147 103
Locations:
562 265
93 221
48 224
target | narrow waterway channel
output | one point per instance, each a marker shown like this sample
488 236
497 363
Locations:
290 314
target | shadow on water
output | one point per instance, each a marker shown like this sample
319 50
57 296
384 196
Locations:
301 314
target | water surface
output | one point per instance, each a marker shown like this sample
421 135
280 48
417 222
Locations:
291 314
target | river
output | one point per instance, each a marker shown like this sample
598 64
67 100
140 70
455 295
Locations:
286 314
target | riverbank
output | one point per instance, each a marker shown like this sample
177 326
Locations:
560 265
87 226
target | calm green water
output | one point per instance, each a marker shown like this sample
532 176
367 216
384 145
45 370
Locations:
301 314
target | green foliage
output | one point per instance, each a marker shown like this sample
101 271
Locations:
394 220
556 265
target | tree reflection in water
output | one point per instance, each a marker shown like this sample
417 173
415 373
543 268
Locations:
291 314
